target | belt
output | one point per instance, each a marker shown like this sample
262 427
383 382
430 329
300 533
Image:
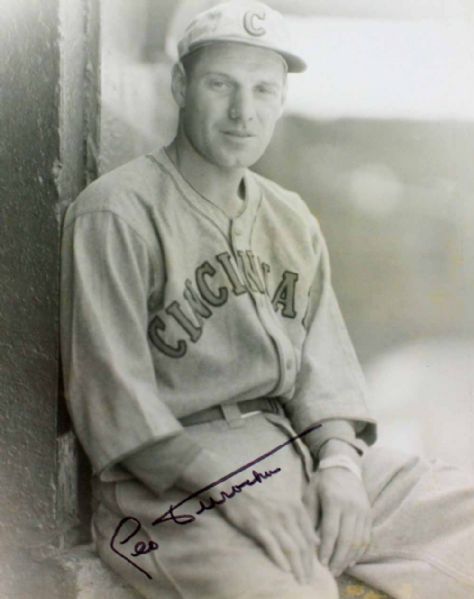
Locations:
259 404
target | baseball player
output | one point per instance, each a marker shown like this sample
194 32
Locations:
209 373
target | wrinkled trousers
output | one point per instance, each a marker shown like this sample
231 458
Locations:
422 544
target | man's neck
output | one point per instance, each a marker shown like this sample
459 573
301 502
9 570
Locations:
223 187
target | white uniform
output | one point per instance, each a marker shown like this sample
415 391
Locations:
169 307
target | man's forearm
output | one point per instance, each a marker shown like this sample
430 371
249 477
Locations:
178 461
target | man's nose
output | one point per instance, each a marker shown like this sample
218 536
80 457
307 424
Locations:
242 107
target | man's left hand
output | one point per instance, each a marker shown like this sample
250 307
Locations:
345 520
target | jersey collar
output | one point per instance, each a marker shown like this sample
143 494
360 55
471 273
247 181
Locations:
250 203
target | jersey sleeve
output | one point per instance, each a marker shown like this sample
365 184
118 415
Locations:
330 385
106 272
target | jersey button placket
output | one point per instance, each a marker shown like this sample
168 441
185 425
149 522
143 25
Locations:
237 236
287 364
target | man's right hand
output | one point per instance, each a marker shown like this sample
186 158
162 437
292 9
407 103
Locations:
283 529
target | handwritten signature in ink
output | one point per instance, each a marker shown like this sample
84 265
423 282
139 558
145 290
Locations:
142 548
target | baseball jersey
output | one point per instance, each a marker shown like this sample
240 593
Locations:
169 307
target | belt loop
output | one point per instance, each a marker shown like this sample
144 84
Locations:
232 415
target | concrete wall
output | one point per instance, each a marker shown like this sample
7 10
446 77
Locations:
41 169
29 234
137 110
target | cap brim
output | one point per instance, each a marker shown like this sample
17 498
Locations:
295 63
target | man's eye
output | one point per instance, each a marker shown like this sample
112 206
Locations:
263 89
219 84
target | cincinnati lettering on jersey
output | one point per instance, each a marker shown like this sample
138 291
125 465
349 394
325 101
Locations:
246 274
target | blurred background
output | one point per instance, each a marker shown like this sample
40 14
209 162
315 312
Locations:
378 138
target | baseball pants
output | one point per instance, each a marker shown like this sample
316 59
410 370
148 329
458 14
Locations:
422 544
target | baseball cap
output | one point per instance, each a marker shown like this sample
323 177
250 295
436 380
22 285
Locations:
251 23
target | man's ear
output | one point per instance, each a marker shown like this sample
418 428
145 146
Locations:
178 84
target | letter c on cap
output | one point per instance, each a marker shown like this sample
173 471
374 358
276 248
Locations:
250 26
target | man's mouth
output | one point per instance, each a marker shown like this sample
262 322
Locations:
239 134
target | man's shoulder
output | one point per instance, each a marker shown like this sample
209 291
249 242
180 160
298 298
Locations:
281 198
128 191
286 209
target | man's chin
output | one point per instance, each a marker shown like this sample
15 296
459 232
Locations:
237 160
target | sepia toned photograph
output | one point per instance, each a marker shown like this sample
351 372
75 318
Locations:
237 269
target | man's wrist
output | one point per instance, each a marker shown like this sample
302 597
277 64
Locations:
337 453
340 461
335 447
331 430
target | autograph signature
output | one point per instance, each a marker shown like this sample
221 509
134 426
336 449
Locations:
142 548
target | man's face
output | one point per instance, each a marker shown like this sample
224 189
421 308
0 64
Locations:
233 97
